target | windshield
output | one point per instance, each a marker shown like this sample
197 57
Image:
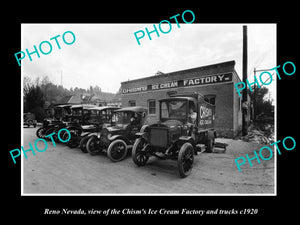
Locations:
122 118
173 109
60 112
97 116
93 116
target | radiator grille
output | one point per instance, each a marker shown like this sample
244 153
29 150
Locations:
159 137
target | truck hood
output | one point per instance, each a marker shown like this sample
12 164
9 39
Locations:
116 129
168 124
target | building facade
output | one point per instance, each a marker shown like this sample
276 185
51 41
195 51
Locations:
215 82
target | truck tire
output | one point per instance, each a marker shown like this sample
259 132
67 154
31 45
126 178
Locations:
83 143
40 132
117 150
73 142
139 155
210 145
185 159
92 145
29 122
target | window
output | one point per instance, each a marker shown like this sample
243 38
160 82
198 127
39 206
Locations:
151 106
173 109
131 103
210 99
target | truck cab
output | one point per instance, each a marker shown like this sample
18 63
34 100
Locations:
186 124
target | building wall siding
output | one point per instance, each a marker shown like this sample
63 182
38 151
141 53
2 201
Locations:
228 115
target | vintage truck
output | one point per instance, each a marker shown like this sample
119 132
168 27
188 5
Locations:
57 118
185 127
93 119
29 119
115 140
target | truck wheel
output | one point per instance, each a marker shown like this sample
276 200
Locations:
139 153
83 143
64 135
29 123
73 142
92 146
210 145
117 150
40 132
185 159
50 131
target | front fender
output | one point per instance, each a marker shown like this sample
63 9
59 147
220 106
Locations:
97 134
139 134
184 139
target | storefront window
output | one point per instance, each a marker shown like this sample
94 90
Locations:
151 106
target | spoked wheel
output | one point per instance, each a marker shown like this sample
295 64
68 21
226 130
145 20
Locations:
40 132
140 155
30 123
92 145
185 159
117 150
50 131
64 135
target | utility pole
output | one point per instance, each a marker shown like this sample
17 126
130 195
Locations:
244 96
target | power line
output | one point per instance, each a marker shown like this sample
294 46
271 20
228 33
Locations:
267 79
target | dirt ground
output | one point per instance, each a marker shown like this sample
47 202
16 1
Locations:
61 170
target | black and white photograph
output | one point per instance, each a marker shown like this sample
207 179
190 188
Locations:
138 112
128 109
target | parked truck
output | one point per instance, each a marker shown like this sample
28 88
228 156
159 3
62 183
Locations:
185 128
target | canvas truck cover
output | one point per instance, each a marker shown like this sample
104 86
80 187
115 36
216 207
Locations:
206 114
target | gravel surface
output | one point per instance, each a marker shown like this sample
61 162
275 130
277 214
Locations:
61 170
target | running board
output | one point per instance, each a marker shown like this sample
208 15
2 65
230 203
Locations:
219 145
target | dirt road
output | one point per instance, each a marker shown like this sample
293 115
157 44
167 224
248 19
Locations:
61 170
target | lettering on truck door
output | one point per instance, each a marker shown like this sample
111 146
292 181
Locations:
206 115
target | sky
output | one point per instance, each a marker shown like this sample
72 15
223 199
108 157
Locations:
108 54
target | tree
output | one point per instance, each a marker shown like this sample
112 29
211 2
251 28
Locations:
91 90
262 106
27 85
97 90
34 102
41 92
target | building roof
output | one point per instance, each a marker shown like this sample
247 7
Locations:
64 100
69 99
